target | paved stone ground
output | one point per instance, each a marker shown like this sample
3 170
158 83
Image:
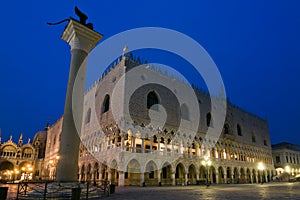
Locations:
290 191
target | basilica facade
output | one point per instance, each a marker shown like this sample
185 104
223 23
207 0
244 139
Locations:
22 160
133 152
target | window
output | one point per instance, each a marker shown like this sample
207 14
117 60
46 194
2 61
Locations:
239 130
105 105
226 129
287 159
253 138
265 143
88 116
152 99
277 159
185 112
208 119
54 140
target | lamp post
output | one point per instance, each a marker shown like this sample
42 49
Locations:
261 168
206 163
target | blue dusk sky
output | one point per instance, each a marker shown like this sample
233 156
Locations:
254 43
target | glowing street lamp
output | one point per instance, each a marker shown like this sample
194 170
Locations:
27 171
207 163
261 168
16 172
288 169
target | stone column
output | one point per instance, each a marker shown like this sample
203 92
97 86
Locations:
158 145
172 154
151 140
121 178
173 178
80 176
85 176
82 40
191 152
186 178
197 175
100 173
133 144
108 174
159 176
165 150
198 150
143 145
122 142
93 175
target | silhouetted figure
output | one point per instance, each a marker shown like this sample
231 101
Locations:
82 19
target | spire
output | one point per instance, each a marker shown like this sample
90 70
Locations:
47 125
28 141
125 50
20 142
0 135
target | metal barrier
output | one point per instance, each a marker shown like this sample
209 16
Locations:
56 190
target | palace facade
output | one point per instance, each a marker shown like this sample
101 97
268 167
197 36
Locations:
139 154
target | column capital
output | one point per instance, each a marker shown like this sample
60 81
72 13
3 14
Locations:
80 37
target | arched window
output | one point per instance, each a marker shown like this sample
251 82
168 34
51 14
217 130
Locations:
88 116
208 120
185 112
152 99
226 129
239 130
54 140
105 105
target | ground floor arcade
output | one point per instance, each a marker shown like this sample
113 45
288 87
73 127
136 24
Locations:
181 172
